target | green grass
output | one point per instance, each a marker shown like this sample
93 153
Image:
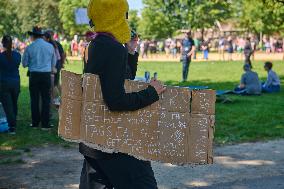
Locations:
246 119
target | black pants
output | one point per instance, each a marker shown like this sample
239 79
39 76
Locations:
40 84
247 60
185 67
9 94
119 172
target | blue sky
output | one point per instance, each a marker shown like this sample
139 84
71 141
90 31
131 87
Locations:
135 4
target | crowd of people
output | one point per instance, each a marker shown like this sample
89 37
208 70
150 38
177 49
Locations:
112 54
171 47
225 46
44 57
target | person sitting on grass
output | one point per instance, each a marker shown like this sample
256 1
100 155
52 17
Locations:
250 83
272 83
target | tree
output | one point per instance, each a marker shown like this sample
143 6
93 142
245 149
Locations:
171 15
67 16
154 23
265 16
197 14
9 22
38 13
133 19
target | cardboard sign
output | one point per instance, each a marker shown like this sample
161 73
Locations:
177 129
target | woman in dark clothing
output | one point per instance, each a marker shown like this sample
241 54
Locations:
108 58
91 179
9 81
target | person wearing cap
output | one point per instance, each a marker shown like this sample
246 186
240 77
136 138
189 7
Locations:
250 83
108 57
187 49
272 83
40 59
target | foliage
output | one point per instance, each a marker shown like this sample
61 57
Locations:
161 18
67 9
133 19
265 16
9 24
38 13
154 25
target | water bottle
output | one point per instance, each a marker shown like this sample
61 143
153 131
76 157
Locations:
147 76
3 120
156 76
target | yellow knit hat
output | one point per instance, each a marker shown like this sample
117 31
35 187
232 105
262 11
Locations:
110 16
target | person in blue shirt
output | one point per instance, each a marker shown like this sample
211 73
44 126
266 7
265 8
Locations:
272 83
10 81
40 58
188 48
250 83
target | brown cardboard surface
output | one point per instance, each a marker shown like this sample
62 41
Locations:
70 119
92 89
134 86
203 102
201 139
166 131
176 99
71 85
173 127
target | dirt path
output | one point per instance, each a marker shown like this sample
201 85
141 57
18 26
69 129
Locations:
244 166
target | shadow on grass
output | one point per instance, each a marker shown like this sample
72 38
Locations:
26 136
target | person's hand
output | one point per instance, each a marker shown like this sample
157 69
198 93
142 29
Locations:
159 87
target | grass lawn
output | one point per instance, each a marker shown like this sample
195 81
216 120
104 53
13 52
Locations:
246 119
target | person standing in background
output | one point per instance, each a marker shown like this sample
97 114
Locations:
248 52
89 35
168 47
40 58
205 49
230 48
146 48
188 48
253 43
10 82
74 46
61 57
173 48
197 45
267 45
221 48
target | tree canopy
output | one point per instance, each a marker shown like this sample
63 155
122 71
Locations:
158 19
265 16
67 16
